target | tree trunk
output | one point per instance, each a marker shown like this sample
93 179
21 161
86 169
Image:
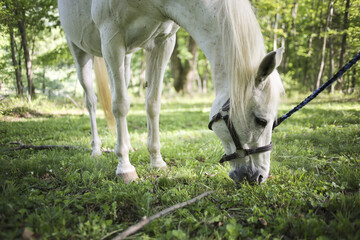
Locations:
176 68
276 24
353 81
142 77
331 64
44 80
185 74
310 46
331 53
293 38
16 64
323 51
343 42
205 77
306 70
28 62
191 64
284 44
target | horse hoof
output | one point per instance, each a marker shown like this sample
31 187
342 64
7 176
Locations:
160 165
129 177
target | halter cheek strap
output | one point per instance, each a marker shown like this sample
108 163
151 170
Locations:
240 152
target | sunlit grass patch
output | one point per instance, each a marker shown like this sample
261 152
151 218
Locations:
313 190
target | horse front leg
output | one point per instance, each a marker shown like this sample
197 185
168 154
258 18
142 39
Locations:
114 56
157 60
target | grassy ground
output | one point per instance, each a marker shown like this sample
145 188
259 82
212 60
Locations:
313 191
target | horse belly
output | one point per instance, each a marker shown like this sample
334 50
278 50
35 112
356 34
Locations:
140 23
80 29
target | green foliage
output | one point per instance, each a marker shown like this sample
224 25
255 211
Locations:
312 193
301 30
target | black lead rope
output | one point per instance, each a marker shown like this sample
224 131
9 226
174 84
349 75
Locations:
316 92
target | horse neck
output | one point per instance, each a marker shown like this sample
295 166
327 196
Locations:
200 20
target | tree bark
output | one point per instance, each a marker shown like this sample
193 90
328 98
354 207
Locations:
191 65
323 51
185 74
343 43
142 77
16 64
331 53
276 24
176 68
293 34
353 81
28 61
205 77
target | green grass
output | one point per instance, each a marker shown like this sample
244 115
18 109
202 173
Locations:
313 191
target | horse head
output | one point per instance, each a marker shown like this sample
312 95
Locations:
246 133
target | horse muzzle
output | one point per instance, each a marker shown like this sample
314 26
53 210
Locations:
245 174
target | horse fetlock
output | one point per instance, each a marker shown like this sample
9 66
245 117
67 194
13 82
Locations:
122 151
157 162
96 153
95 143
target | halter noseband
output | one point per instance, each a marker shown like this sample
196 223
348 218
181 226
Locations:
240 152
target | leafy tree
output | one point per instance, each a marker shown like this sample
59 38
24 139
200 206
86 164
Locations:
315 34
25 20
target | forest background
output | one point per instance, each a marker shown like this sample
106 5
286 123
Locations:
319 37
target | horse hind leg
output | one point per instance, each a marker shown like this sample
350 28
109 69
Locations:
84 62
156 62
127 64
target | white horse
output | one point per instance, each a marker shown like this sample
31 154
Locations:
227 32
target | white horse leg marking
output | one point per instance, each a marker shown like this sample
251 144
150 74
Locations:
84 62
156 62
114 56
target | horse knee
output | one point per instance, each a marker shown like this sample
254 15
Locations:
120 108
91 101
153 109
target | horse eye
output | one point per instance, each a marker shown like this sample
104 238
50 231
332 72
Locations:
260 121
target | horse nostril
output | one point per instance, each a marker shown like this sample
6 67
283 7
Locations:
260 178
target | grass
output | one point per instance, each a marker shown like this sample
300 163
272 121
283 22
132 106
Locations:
313 191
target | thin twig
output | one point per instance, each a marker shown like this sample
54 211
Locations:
73 101
134 228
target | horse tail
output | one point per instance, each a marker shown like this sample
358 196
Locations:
104 93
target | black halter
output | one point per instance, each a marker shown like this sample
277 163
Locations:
240 152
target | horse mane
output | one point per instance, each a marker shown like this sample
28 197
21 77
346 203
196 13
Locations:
244 49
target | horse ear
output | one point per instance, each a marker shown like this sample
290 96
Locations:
270 62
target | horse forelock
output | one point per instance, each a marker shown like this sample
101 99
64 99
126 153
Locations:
244 49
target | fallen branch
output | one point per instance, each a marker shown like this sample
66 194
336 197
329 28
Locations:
134 228
45 147
74 102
